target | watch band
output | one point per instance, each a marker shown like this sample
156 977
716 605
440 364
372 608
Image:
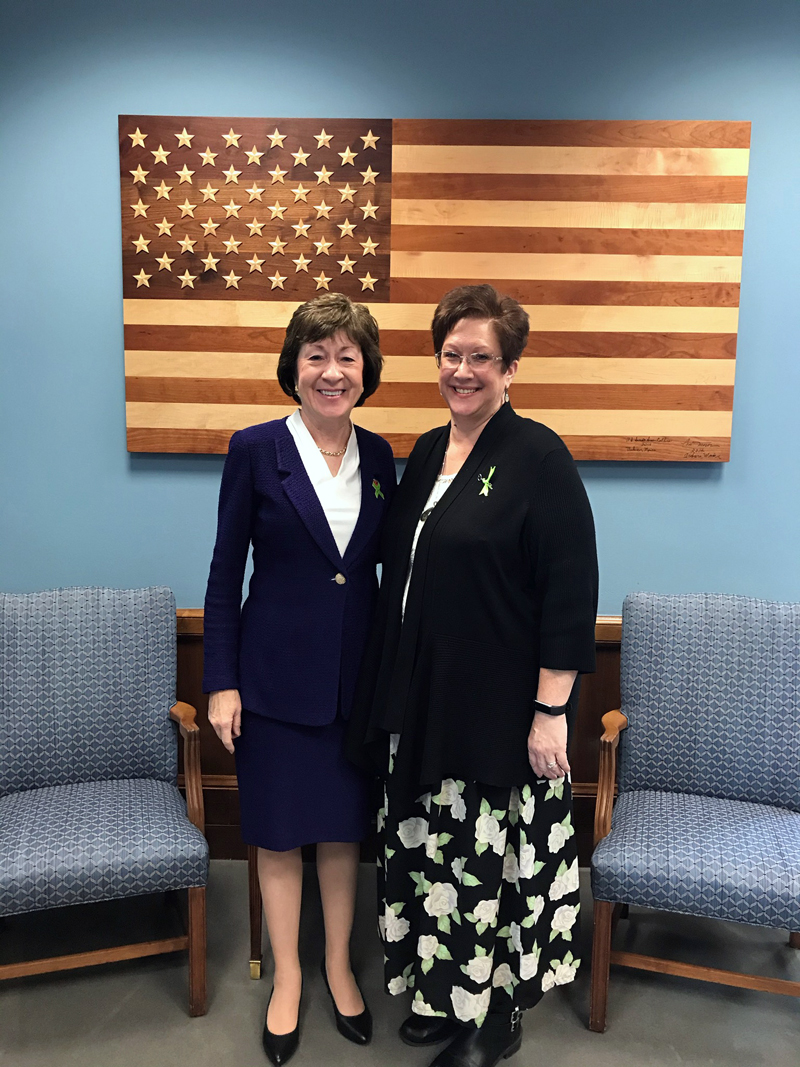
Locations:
550 709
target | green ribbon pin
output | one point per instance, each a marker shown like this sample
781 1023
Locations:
376 485
486 482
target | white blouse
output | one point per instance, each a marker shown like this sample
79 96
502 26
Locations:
339 494
440 487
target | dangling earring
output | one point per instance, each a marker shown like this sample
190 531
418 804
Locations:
506 397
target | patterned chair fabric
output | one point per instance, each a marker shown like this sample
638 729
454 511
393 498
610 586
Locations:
89 806
87 677
89 841
707 818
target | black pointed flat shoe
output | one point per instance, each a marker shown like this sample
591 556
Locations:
420 1030
280 1048
356 1028
498 1039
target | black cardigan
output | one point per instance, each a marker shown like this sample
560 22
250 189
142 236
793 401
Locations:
504 582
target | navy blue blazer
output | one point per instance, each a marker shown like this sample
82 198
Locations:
294 649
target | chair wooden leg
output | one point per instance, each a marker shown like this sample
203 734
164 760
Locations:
794 939
255 912
601 961
197 951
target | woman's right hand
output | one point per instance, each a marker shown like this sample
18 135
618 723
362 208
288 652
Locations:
225 715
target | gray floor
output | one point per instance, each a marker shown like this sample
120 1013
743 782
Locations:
134 1014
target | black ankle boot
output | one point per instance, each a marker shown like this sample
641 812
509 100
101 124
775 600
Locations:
427 1030
498 1039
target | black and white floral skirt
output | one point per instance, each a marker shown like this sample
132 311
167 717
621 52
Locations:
479 889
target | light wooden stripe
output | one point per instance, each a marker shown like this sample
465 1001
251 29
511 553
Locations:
567 213
532 370
256 314
409 420
565 266
526 159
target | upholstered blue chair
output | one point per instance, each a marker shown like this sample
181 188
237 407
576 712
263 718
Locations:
707 821
89 804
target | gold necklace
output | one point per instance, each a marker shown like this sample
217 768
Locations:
340 452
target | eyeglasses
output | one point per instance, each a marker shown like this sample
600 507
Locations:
476 360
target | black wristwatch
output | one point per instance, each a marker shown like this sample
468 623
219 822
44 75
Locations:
550 709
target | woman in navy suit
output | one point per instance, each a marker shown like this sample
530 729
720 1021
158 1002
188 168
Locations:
309 493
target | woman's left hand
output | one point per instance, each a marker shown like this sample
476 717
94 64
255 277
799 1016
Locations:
547 745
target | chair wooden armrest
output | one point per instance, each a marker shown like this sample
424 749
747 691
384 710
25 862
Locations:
184 715
614 722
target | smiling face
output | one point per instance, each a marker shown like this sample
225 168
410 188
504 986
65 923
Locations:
330 377
474 394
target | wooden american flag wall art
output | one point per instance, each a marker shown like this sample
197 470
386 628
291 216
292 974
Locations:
623 240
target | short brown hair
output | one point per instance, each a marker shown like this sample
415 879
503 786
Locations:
323 317
483 302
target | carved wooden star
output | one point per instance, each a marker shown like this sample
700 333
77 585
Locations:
347 193
300 157
277 280
322 246
164 262
137 138
369 246
277 175
210 228
301 193
254 156
159 155
348 157
186 209
184 138
210 262
231 245
185 174
370 141
276 138
346 264
346 228
164 227
141 244
276 210
231 138
369 175
140 175
187 244
323 175
368 282
255 227
231 174
277 246
370 210
141 277
301 229
232 209
322 280
209 193
301 263
255 263
187 279
323 139
140 209
232 279
322 210
163 191
208 156
254 192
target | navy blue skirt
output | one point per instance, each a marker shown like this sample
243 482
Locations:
296 787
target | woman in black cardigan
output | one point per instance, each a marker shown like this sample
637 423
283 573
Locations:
486 616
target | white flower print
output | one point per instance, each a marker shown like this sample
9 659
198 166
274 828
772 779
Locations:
511 870
572 877
487 829
412 832
565 881
458 809
457 867
396 927
425 801
431 845
381 818
398 985
560 833
448 793
468 1006
499 843
427 946
528 808
536 904
502 976
486 911
564 918
515 933
565 973
442 899
528 965
479 968
419 1007
394 744
513 799
527 858
548 981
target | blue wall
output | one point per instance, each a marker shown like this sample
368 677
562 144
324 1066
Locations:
76 508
